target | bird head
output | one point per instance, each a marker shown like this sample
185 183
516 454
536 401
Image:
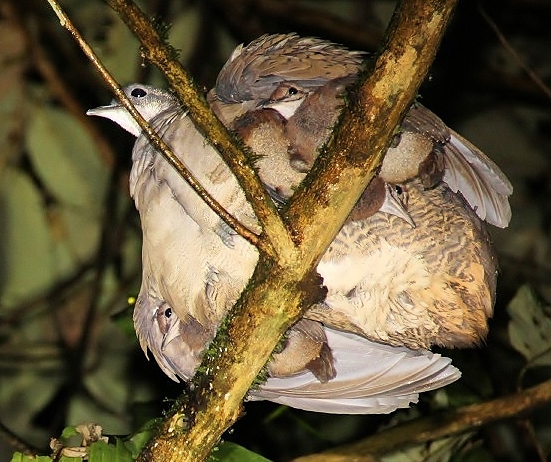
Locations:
149 102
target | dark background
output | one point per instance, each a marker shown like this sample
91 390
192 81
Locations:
70 237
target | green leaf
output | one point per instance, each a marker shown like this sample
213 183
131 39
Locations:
26 247
530 327
69 432
65 158
231 452
18 457
139 439
103 452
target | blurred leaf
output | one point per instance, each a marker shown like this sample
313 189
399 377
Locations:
183 32
43 241
22 396
65 158
231 452
437 451
117 47
25 248
530 327
103 452
107 380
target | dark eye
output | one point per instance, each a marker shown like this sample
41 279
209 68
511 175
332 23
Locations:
398 190
168 313
138 93
284 91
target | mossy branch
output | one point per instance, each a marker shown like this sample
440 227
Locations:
158 52
285 282
275 296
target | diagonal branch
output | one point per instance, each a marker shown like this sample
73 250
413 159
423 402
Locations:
153 137
376 108
155 50
432 427
277 294
284 286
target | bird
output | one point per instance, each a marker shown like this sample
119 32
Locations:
194 268
304 78
430 285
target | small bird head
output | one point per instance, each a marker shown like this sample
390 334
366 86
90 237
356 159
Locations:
279 71
149 101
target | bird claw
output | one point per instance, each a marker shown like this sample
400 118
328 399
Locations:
226 234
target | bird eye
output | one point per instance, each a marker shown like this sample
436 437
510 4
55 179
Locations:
398 190
283 92
168 313
138 93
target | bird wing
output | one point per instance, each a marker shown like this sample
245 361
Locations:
484 186
371 378
203 161
467 169
255 71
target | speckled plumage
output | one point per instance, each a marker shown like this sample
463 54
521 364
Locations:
248 82
431 283
194 268
412 266
255 71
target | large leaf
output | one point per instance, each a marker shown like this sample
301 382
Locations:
66 160
103 452
530 327
26 244
231 452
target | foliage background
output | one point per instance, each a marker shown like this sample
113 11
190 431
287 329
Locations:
70 237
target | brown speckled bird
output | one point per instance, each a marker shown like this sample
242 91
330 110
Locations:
194 268
393 282
431 284
303 79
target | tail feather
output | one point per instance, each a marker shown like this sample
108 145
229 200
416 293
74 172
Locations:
371 378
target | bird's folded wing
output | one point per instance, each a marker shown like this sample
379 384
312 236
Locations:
482 183
371 378
467 169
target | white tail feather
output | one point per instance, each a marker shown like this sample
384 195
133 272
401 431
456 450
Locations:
371 378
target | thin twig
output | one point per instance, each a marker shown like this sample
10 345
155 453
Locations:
56 86
277 294
518 58
437 426
276 239
155 139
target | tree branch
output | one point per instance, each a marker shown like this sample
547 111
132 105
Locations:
276 238
285 282
155 139
276 295
436 426
375 110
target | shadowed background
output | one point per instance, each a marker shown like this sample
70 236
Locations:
70 247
